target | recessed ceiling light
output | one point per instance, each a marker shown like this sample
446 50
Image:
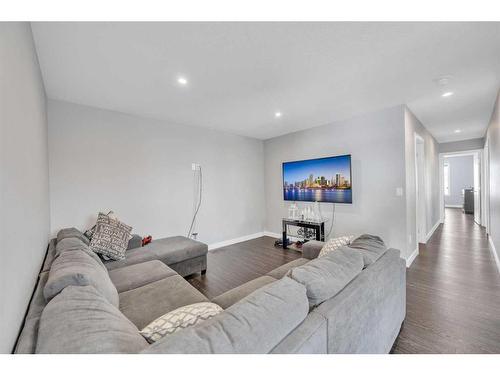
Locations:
446 94
458 131
278 114
182 81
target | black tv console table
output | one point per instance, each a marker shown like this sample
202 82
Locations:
318 226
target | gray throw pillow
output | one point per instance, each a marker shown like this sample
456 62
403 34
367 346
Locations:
326 276
370 247
110 238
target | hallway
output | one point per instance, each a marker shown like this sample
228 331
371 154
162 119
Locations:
453 292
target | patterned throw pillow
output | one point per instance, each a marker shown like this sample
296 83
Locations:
178 319
110 237
89 233
334 244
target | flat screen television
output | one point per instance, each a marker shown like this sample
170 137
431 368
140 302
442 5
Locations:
318 180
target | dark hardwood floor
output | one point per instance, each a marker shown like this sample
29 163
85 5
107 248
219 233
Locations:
452 292
233 265
453 286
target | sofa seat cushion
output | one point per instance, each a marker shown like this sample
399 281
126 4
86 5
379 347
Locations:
133 256
256 324
145 304
140 274
282 270
326 276
176 249
234 295
78 268
81 320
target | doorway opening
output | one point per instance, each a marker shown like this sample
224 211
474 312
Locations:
461 180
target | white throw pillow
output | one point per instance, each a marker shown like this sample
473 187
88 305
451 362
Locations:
334 244
178 319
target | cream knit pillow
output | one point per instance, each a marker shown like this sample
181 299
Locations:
334 244
178 319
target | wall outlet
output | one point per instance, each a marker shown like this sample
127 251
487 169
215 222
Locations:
195 167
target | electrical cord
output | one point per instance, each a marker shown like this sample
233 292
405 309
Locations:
333 219
199 204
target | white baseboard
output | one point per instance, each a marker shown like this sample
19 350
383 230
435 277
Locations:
453 205
433 229
495 254
235 240
272 234
411 258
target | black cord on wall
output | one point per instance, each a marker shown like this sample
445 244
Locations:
200 195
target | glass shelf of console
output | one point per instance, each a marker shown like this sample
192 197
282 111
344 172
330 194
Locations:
316 224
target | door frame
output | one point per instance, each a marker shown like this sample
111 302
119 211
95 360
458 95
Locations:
442 156
420 191
486 185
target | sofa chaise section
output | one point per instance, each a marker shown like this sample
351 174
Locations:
184 255
145 304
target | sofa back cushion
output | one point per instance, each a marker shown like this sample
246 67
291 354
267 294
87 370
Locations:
72 233
72 243
79 268
326 276
255 324
81 320
370 247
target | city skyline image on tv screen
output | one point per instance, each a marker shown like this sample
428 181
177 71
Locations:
318 180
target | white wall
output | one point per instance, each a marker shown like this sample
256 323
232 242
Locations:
467 145
141 168
461 177
431 148
493 137
24 212
376 143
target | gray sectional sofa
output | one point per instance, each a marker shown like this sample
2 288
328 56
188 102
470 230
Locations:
340 303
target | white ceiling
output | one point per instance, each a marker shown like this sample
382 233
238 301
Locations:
240 74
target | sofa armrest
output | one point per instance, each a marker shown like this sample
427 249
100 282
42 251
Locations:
311 249
135 241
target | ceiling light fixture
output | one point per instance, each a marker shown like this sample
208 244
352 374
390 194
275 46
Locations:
447 94
458 131
182 81
278 114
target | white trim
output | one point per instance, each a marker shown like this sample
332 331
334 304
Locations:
420 174
431 232
453 205
235 240
411 258
495 254
272 234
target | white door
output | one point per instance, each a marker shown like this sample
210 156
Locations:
477 188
